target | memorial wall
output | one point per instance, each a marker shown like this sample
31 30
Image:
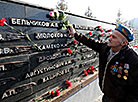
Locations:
37 55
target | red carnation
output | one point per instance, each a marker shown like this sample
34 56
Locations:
52 93
90 33
89 71
85 72
101 30
92 72
51 14
102 35
49 92
98 27
109 30
92 67
68 83
2 21
135 46
57 92
74 41
69 50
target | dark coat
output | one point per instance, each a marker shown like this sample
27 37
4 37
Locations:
121 73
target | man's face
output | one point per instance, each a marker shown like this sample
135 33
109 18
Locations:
115 39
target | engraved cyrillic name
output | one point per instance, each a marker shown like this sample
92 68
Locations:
2 68
52 76
83 27
30 22
14 50
59 73
17 90
52 46
52 57
47 35
87 56
51 67
8 36
85 49
90 61
9 93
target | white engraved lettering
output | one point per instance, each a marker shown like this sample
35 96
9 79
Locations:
49 68
2 68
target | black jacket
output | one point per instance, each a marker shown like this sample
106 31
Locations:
121 74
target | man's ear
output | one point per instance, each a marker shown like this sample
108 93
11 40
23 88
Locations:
124 43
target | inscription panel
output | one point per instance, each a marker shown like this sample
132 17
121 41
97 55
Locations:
47 35
30 22
26 72
8 36
14 50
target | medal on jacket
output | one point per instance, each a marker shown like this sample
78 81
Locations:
119 75
125 77
126 66
126 71
120 70
113 73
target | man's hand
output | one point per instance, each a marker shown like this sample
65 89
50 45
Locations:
71 30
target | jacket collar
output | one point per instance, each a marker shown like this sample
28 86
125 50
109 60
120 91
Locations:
121 53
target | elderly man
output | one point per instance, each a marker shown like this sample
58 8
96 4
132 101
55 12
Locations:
118 65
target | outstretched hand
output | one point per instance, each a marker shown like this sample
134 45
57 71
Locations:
71 30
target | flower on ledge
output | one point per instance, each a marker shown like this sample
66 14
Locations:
68 83
98 27
108 31
52 93
90 33
57 93
90 71
74 41
135 46
93 68
85 72
101 30
69 51
101 35
109 35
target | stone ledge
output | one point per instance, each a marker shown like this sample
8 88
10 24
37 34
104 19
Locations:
77 85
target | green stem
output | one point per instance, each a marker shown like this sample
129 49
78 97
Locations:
13 28
27 36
